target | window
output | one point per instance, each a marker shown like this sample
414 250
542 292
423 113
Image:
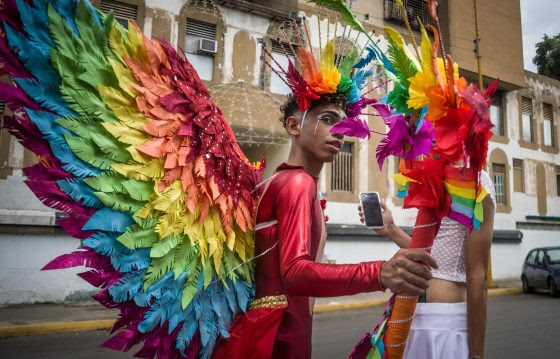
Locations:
527 119
499 178
540 258
531 257
548 125
343 170
277 85
496 115
414 9
123 11
518 176
558 181
202 61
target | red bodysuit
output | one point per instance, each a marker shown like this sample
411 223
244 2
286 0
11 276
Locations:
288 232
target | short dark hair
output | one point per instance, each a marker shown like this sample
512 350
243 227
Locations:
290 107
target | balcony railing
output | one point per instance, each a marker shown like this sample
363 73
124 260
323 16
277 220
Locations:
415 9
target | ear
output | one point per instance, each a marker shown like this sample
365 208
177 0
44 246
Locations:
293 126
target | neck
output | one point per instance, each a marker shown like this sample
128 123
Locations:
298 157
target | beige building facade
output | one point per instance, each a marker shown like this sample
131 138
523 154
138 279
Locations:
222 38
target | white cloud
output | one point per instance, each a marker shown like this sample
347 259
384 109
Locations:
538 17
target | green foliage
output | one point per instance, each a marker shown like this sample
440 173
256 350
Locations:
547 58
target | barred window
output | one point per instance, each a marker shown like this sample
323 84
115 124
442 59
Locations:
415 9
279 51
203 62
123 11
527 119
496 113
548 125
499 179
343 170
558 181
518 176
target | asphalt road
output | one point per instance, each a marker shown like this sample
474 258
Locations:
520 326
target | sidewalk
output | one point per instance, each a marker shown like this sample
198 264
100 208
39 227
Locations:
32 319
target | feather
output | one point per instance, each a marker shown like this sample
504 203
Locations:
79 192
401 58
109 220
352 127
342 8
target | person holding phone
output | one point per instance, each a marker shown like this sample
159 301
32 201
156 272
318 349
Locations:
450 319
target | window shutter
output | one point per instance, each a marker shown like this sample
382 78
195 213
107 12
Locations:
1 108
527 105
122 10
201 29
547 111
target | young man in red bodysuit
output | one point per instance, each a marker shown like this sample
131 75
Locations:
290 236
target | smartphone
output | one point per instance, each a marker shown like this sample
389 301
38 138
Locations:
372 209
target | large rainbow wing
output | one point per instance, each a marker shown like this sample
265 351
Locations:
144 166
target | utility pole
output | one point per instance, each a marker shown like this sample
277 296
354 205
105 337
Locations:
477 48
476 41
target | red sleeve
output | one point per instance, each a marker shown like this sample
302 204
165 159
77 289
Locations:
300 273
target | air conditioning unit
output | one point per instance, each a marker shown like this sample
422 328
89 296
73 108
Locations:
207 46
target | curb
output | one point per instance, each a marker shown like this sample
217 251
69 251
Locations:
105 324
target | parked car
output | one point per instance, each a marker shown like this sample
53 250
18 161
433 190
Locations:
541 270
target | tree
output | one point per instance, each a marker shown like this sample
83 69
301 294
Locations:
548 56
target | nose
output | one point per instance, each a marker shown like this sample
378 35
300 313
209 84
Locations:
338 136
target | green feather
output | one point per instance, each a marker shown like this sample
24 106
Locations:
342 8
186 258
139 190
190 289
166 245
120 202
88 152
401 62
109 181
138 237
158 268
347 63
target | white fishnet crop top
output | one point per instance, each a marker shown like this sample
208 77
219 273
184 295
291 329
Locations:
449 245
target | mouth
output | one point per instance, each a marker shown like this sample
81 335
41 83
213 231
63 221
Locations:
336 144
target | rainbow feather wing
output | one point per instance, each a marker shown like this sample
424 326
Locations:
144 166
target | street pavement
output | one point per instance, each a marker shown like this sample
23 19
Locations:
519 326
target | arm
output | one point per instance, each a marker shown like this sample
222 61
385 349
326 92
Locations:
303 276
390 229
477 256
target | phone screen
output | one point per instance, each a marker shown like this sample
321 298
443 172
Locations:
372 209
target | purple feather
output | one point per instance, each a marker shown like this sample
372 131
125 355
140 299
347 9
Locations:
100 278
355 109
78 258
353 128
27 134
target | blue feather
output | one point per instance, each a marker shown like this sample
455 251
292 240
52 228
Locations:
244 294
48 98
187 332
65 8
35 24
109 220
80 192
135 260
54 134
94 13
384 60
366 59
105 244
127 287
33 59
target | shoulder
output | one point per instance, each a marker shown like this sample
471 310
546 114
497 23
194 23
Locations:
487 183
296 182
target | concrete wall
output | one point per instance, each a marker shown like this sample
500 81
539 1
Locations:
21 280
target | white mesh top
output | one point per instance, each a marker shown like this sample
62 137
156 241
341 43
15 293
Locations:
449 245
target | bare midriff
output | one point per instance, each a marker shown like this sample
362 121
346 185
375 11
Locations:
444 291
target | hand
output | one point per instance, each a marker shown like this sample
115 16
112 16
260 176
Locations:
407 271
388 222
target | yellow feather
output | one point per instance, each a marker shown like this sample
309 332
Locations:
126 80
327 57
144 172
426 51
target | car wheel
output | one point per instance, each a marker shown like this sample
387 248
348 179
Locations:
554 292
525 284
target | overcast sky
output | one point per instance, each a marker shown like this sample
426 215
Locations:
538 17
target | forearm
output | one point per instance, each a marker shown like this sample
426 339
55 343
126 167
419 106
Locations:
397 235
476 313
308 278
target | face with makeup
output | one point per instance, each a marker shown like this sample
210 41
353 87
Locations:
310 132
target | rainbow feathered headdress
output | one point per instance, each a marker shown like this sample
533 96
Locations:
330 73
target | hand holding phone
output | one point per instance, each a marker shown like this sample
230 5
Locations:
371 207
